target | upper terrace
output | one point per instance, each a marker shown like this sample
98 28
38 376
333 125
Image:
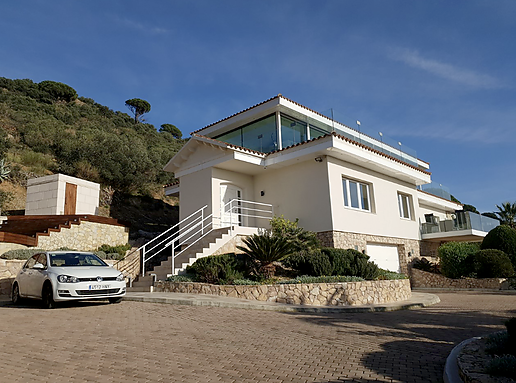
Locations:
279 123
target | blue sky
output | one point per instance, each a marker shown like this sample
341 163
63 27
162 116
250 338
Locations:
439 76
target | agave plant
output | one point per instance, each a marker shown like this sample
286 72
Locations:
266 249
4 170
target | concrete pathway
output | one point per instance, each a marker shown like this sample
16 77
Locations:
136 342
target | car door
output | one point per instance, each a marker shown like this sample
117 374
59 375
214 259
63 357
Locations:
25 274
38 276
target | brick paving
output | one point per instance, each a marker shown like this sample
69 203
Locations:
146 342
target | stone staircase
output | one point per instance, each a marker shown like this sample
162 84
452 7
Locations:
203 248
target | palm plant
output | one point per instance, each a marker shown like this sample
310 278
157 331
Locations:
266 249
507 213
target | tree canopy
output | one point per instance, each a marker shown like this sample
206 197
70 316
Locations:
139 107
172 129
58 91
80 138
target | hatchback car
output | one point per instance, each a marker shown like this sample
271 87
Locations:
55 276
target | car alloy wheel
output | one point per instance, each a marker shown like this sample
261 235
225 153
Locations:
48 297
16 294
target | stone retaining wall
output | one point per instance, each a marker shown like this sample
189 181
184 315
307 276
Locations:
8 270
424 279
87 236
315 294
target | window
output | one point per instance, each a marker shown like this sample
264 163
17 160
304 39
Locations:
259 135
356 195
292 131
404 206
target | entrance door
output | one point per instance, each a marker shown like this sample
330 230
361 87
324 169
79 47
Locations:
385 256
70 199
234 216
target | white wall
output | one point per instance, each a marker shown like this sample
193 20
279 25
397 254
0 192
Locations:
384 219
46 195
196 191
297 191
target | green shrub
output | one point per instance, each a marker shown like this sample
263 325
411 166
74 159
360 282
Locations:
341 259
20 253
502 238
452 256
120 250
181 278
217 269
489 263
297 237
310 262
322 279
390 275
504 365
245 282
425 265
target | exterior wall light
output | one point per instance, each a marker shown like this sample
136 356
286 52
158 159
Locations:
318 159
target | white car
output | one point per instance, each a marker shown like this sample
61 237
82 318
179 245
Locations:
55 276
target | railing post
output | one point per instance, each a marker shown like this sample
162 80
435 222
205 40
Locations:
202 222
143 261
231 217
173 253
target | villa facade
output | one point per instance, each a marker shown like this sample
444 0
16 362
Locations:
283 159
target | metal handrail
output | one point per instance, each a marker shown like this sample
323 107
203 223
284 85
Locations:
197 226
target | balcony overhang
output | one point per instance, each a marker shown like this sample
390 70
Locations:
172 190
467 235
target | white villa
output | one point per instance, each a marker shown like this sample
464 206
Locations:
282 158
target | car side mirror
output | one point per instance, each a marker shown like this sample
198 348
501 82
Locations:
38 266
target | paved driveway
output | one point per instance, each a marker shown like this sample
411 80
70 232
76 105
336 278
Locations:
143 342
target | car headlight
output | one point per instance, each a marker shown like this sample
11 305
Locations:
67 279
120 277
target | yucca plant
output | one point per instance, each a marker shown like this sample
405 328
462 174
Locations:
4 170
266 249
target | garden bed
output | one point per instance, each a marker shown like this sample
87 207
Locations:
313 294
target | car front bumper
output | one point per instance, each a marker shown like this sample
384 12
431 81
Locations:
89 290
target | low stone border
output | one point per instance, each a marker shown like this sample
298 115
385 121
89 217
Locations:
472 361
314 294
424 279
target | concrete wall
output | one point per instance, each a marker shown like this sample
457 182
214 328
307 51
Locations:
384 218
46 195
300 190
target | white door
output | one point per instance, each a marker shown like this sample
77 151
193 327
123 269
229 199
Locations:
385 256
231 212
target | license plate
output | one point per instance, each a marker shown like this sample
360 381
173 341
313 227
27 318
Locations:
98 287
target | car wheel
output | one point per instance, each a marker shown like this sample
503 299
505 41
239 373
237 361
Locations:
115 300
48 297
15 297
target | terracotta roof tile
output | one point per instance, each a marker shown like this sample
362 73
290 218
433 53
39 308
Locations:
229 145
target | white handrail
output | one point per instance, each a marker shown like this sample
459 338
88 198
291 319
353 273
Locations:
197 226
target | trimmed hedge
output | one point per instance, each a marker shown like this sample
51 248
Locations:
216 269
452 257
489 263
502 238
331 261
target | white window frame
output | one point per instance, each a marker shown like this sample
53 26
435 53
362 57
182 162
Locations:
401 209
347 196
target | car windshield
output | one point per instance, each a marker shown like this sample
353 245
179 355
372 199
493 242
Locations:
75 259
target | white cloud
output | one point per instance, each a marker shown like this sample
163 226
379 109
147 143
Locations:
446 71
141 27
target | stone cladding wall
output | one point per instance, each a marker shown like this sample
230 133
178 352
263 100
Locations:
231 246
130 266
87 236
8 270
429 249
424 279
314 294
343 240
